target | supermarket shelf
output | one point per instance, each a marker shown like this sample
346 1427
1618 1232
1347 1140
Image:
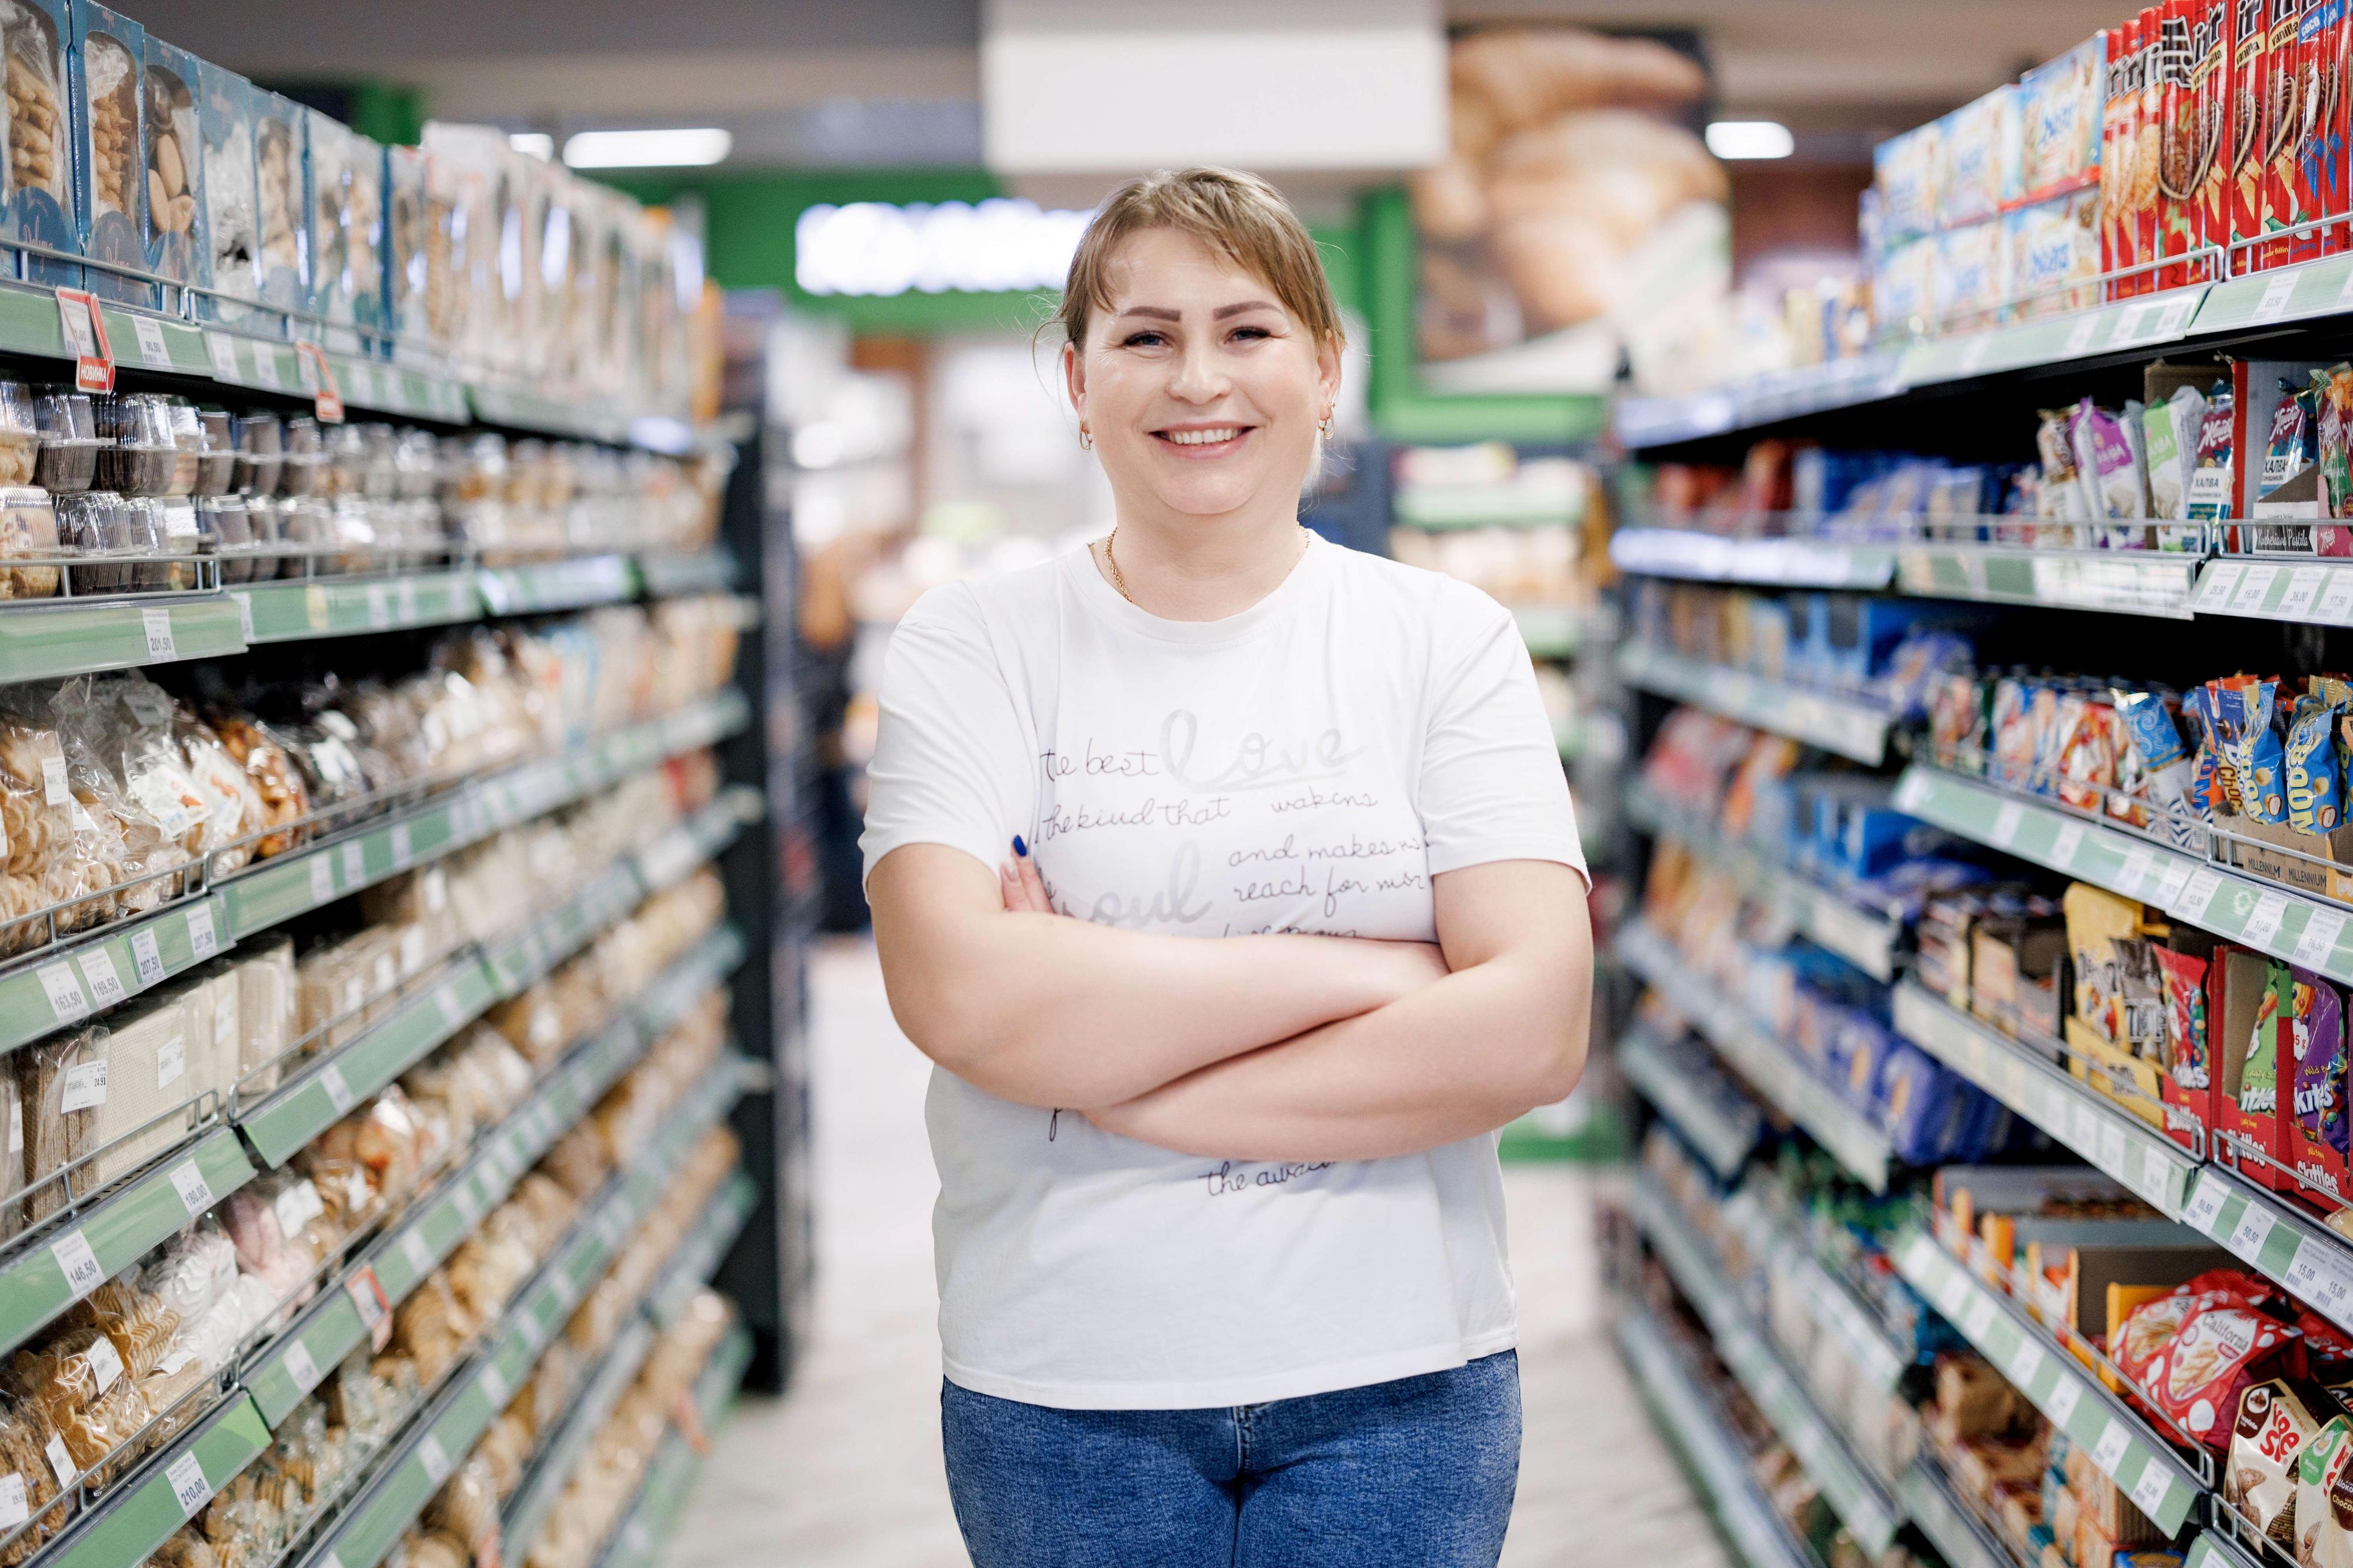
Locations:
2275 1239
1766 399
1849 1487
2071 1110
2259 914
2123 1445
2307 592
143 1512
665 574
1830 1120
48 1276
335 606
1560 631
291 1365
1929 1498
53 991
1699 1430
1790 563
414 1467
2212 1549
698 1258
41 641
1718 1123
1847 725
646 1527
1875 1346
1482 506
2104 330
2158 582
1868 939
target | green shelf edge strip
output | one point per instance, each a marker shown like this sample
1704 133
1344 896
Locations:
1956 1535
2105 1135
40 641
54 992
35 1284
2275 1240
2123 1448
145 1511
2211 896
1868 1511
1853 728
1765 1062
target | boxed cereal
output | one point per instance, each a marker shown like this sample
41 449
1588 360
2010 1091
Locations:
2119 111
224 122
281 204
2060 121
409 252
177 246
2048 245
2312 1074
1969 280
34 36
1904 171
110 152
1978 143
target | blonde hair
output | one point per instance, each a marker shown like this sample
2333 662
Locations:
1238 216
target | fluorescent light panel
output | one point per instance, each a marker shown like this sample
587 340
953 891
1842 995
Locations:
647 148
1749 138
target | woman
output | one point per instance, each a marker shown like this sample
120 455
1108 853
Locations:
1220 1231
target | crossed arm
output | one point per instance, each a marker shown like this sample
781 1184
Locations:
1257 1047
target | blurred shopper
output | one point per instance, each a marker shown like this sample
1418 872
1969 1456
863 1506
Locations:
1221 1229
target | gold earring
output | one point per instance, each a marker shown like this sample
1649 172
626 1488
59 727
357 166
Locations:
1086 437
1327 426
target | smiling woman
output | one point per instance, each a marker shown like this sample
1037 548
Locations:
1220 1224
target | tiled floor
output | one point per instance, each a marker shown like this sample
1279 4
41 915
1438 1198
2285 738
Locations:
844 1472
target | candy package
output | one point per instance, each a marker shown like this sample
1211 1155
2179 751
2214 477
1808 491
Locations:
2246 716
2273 1423
2106 462
2313 1123
2315 798
2212 483
2061 495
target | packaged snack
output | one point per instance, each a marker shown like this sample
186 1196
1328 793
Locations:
2313 1124
34 37
2170 439
2210 149
282 202
2212 485
177 245
2268 1438
2120 112
224 120
2283 121
2104 461
2247 721
2317 168
2318 1467
1969 276
2141 192
2188 1063
1904 171
2309 756
2060 121
2063 492
109 149
2048 245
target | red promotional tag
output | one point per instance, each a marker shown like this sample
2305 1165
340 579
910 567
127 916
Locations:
318 380
85 332
376 1310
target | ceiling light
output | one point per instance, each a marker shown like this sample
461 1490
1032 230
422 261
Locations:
647 148
536 144
1749 138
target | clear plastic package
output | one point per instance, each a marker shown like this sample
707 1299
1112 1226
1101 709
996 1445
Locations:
69 442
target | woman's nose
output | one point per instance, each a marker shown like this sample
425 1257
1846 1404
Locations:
1199 377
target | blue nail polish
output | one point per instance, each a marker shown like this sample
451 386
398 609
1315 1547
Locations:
1020 848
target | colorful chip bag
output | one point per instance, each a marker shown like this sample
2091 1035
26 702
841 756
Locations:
2315 1123
2316 1469
2267 1442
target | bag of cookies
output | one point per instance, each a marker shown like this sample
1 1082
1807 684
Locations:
2260 1474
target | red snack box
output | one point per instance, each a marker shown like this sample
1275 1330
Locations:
2317 48
2337 123
2177 137
2120 101
2148 147
2241 1004
2283 121
2208 150
2249 70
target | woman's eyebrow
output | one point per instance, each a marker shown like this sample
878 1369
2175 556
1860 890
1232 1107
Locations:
1156 312
1222 311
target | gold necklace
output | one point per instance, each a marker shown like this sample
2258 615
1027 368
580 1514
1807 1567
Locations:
1120 583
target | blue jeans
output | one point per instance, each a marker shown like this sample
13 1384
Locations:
1417 1473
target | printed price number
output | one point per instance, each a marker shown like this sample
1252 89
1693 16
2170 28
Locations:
2254 1228
201 937
146 958
302 1366
188 1483
67 1002
2205 1205
97 973
195 1192
152 349
2318 943
78 1263
85 337
2110 1450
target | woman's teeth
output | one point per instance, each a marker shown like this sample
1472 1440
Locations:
1201 438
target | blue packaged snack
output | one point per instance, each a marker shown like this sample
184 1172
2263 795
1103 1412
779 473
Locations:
2315 803
109 160
2148 720
2246 714
1865 1046
178 246
1917 1100
36 36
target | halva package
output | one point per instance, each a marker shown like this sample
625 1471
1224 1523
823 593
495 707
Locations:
224 122
34 36
178 246
110 151
282 202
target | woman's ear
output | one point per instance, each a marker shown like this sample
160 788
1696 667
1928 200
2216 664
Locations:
1327 372
1075 378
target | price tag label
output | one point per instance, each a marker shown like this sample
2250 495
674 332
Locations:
1978 1315
495 1385
404 845
188 1484
2172 882
2151 1489
157 624
2273 304
355 864
2156 1181
223 349
2318 943
265 367
201 939
2221 581
85 334
2025 1364
2082 1128
374 1309
2140 860
98 973
2065 1396
152 349
2263 920
2128 325
2173 317
2079 336
2110 1149
2254 587
144 958
404 594
301 1367
2303 591
2247 1238
195 1192
2070 842
2109 1451
1973 352
2337 599
415 1252
379 606
429 1454
452 1011
2197 893
67 1002
323 879
2205 1205
330 1079
78 1263
2007 821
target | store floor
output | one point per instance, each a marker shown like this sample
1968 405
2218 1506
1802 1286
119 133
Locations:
844 1472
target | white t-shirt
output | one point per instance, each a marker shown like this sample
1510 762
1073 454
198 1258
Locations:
1307 765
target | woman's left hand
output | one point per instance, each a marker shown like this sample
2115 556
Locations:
1023 890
